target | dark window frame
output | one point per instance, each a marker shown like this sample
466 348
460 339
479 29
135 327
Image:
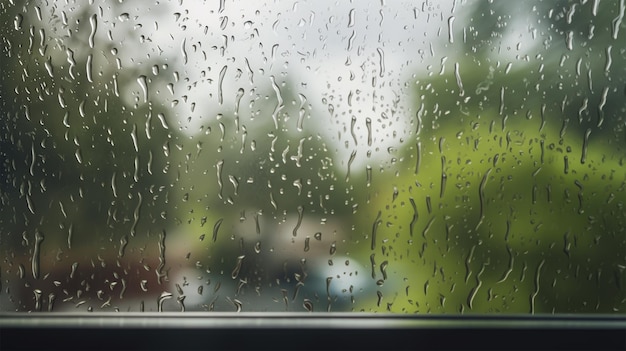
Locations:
316 331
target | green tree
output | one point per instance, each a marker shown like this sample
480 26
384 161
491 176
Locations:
510 198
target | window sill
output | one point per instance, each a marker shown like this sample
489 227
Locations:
327 331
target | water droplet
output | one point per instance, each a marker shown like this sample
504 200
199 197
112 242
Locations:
300 215
89 68
415 217
70 232
450 29
216 228
238 97
457 74
17 21
352 124
29 204
279 103
37 293
569 40
308 305
73 270
617 21
350 161
583 156
580 196
123 243
116 88
159 269
368 124
164 296
237 269
220 185
601 105
220 94
136 213
567 245
36 254
234 182
474 291
51 300
533 296
481 197
444 179
93 22
49 68
183 50
351 18
301 113
70 59
238 304
113 186
133 136
161 118
381 62
143 84
509 268
377 222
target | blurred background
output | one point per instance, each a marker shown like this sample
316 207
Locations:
420 157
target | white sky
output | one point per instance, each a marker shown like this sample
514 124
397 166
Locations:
358 56
361 57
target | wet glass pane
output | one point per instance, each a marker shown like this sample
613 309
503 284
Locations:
407 157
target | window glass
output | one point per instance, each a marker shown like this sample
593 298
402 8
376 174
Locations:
414 157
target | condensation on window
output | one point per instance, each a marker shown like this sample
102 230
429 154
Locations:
377 156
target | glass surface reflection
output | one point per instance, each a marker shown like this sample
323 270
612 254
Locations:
427 157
